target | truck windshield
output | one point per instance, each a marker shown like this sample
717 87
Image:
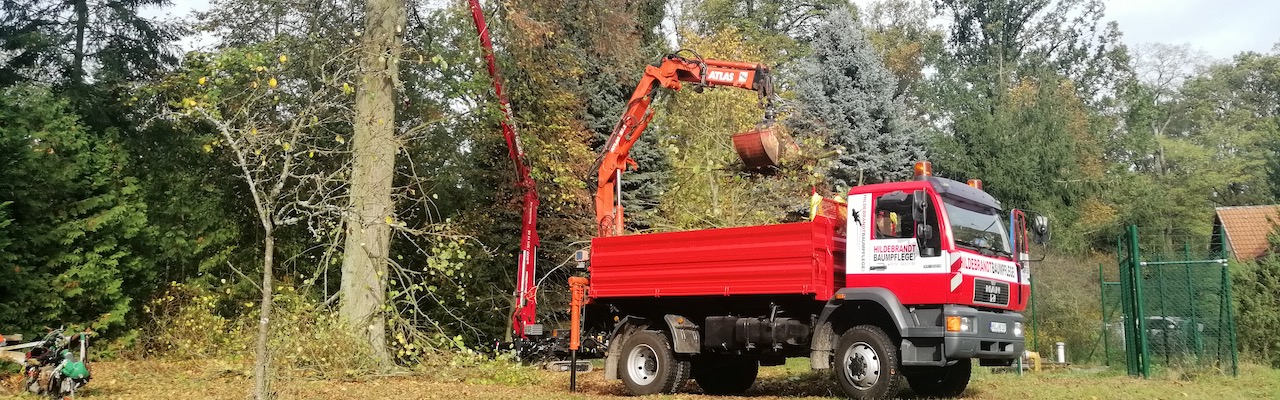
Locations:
976 227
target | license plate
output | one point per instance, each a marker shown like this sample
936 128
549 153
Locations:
999 327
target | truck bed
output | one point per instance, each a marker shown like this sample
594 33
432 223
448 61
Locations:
795 258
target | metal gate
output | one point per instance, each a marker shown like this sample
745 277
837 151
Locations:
1170 307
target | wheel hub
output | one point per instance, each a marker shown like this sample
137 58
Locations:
642 364
862 365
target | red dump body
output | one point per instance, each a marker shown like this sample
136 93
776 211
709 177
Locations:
795 258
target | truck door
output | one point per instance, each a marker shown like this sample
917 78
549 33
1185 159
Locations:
887 246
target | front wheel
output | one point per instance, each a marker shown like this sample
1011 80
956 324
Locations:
648 365
866 363
949 381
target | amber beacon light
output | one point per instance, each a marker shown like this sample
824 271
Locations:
923 169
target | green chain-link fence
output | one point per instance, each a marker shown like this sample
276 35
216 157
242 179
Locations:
1169 307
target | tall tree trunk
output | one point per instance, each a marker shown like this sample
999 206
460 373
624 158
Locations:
364 267
82 24
262 357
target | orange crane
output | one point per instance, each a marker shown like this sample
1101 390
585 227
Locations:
672 72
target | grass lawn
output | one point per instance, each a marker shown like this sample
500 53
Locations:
224 380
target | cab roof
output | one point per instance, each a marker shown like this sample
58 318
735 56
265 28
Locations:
959 189
944 186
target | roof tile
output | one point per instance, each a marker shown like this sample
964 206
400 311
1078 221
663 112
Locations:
1247 228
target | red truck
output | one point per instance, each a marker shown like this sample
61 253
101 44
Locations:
910 280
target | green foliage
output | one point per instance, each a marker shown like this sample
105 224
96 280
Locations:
72 217
900 32
708 185
1016 95
1257 308
1067 306
9 368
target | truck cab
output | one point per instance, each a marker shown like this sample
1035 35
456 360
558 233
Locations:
943 249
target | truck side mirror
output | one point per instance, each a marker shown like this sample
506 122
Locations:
919 206
1040 229
924 231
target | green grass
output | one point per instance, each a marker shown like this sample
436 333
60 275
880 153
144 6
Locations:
481 379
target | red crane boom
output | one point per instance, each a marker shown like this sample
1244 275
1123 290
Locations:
526 300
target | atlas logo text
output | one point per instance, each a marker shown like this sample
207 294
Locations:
726 76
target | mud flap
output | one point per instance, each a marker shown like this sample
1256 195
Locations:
684 335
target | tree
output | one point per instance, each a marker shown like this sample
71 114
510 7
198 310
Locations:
74 40
901 34
1016 99
1257 309
374 149
780 26
845 94
71 217
281 136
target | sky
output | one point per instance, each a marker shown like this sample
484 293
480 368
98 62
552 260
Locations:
1220 28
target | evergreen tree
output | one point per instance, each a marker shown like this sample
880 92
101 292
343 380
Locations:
68 42
845 94
72 216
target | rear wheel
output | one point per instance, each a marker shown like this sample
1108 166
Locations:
866 363
648 365
949 381
725 374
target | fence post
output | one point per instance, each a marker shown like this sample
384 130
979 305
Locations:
1231 319
1128 321
1136 264
1102 291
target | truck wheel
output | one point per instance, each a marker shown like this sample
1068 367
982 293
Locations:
725 374
949 381
866 363
648 365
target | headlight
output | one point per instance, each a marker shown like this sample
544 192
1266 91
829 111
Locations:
960 324
1017 329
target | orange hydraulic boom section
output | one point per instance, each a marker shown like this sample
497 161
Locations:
671 73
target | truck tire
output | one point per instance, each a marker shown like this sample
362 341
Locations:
949 381
719 374
648 365
866 363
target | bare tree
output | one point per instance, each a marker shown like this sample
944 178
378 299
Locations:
1163 67
284 136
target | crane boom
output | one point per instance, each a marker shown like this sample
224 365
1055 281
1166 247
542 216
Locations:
668 73
525 311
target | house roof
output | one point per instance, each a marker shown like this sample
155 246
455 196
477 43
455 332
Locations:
1247 228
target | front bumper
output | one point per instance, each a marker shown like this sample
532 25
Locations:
984 343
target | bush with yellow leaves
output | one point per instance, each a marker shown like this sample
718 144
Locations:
194 322
185 324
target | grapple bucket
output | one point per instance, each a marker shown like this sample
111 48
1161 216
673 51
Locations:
758 148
